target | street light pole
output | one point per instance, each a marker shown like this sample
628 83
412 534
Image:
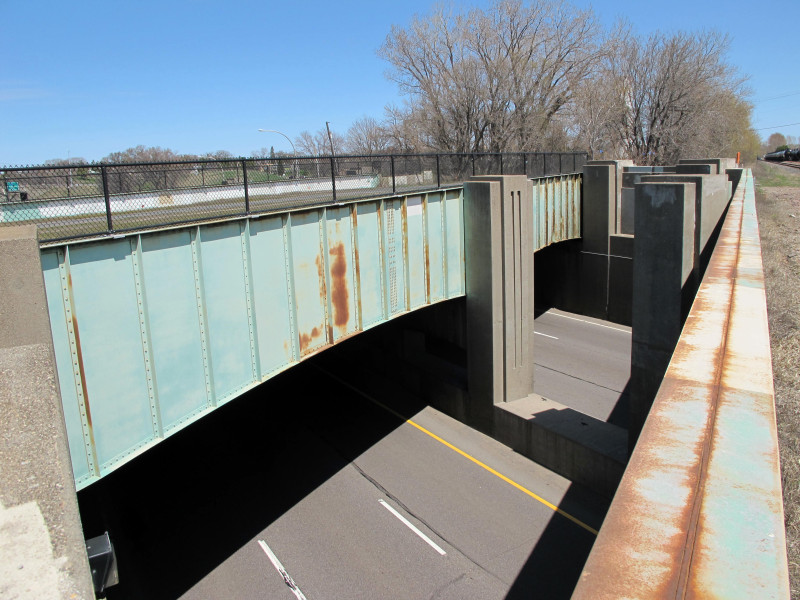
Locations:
294 151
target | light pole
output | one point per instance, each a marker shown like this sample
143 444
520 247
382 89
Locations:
294 151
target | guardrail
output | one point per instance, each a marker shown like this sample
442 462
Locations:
79 201
699 511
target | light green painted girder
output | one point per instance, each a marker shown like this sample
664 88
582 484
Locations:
154 330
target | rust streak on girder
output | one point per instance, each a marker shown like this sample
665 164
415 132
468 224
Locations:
82 371
340 297
307 338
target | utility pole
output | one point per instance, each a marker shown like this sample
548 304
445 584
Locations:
330 141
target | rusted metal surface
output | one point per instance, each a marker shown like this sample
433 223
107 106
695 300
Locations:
699 513
556 209
83 395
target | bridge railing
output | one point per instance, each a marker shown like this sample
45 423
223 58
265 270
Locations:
87 200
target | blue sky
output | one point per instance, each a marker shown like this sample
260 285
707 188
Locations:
88 78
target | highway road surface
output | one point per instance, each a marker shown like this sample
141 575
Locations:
308 488
583 363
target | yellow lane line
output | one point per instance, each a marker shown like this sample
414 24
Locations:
464 454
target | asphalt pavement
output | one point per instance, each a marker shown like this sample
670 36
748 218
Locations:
583 363
307 488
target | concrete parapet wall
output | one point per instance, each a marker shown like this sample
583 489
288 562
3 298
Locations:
699 510
721 164
42 554
712 196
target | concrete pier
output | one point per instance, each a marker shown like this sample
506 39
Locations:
498 223
663 261
42 551
606 254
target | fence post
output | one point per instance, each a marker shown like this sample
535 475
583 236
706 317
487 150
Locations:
246 191
106 196
394 186
501 163
525 164
473 165
438 174
333 178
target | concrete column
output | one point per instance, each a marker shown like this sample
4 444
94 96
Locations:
663 261
42 554
598 217
618 166
498 220
598 212
712 195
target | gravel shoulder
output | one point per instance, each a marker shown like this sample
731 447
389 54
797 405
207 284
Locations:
778 206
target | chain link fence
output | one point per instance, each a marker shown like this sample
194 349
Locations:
81 201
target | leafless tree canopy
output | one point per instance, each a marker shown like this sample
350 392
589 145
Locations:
317 144
142 154
545 76
489 80
366 137
775 141
657 98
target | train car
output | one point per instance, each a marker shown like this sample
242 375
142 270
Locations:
778 156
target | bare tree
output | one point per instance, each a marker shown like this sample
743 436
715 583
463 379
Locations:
489 80
667 96
591 119
367 136
775 141
142 154
219 155
146 177
318 144
725 129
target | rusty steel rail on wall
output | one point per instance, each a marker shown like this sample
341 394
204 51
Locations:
699 511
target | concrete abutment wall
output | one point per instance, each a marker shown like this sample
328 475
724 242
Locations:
42 554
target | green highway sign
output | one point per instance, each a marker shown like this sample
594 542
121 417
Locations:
12 186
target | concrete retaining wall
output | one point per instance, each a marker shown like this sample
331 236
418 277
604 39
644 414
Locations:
42 551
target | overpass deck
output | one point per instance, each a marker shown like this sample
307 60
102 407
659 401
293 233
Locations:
156 329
